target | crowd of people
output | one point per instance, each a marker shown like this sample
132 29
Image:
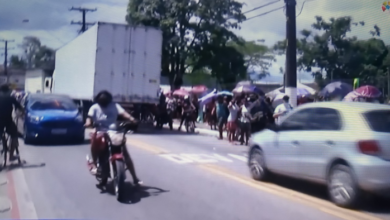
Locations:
239 115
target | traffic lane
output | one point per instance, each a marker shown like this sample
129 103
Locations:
192 149
64 189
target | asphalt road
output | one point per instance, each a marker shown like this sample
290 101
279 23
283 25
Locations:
185 177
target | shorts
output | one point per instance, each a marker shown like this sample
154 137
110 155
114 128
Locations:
232 126
10 128
222 121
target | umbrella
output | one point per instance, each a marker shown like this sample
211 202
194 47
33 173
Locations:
181 92
351 97
368 92
248 89
302 92
207 98
225 93
199 89
336 89
278 100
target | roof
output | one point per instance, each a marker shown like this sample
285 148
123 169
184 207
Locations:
347 106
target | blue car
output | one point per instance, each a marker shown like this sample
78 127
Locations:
50 117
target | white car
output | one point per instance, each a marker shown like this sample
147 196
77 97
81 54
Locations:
344 145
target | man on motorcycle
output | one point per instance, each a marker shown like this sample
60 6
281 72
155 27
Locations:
106 112
188 108
7 105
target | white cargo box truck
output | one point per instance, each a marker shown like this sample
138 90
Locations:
119 58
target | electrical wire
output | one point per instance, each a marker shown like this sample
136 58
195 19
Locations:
262 14
262 6
303 4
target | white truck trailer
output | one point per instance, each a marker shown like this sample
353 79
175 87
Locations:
121 59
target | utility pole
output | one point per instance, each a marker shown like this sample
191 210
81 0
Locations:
291 54
6 54
83 23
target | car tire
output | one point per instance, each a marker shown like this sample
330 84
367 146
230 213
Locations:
26 138
257 165
342 187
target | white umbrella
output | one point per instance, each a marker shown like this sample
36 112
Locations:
278 100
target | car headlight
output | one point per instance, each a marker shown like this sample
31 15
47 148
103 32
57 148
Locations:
79 118
116 138
34 119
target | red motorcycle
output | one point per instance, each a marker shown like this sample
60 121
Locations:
111 162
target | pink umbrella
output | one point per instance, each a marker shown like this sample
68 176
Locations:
180 92
351 97
368 92
199 89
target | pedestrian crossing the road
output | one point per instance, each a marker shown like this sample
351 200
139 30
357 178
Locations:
204 158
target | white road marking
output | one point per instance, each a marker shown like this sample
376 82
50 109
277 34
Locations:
23 197
176 158
201 158
238 157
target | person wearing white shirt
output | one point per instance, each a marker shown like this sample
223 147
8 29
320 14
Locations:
282 109
232 120
246 119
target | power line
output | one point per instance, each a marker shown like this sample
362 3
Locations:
303 4
262 6
262 14
6 48
83 23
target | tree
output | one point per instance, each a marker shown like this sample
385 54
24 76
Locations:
37 55
337 55
17 62
258 57
189 27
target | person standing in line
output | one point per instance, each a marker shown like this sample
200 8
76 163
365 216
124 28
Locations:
220 110
232 120
245 120
282 109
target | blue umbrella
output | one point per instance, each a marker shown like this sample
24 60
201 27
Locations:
207 98
248 89
336 89
227 93
302 92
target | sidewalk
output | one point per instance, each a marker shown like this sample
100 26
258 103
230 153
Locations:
15 198
5 201
201 128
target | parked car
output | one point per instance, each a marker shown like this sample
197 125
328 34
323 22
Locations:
50 116
343 145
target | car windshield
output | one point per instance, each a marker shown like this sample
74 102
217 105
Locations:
378 120
53 104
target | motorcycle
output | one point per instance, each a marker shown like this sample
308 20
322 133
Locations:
111 162
189 125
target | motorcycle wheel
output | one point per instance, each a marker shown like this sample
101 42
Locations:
119 181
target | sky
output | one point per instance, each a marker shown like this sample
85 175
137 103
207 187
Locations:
50 21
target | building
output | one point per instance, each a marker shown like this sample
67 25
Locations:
15 77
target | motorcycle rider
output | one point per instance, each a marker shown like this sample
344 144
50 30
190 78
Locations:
106 112
7 105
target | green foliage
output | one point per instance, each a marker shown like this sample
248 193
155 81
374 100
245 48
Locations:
37 55
189 27
17 62
257 56
330 48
